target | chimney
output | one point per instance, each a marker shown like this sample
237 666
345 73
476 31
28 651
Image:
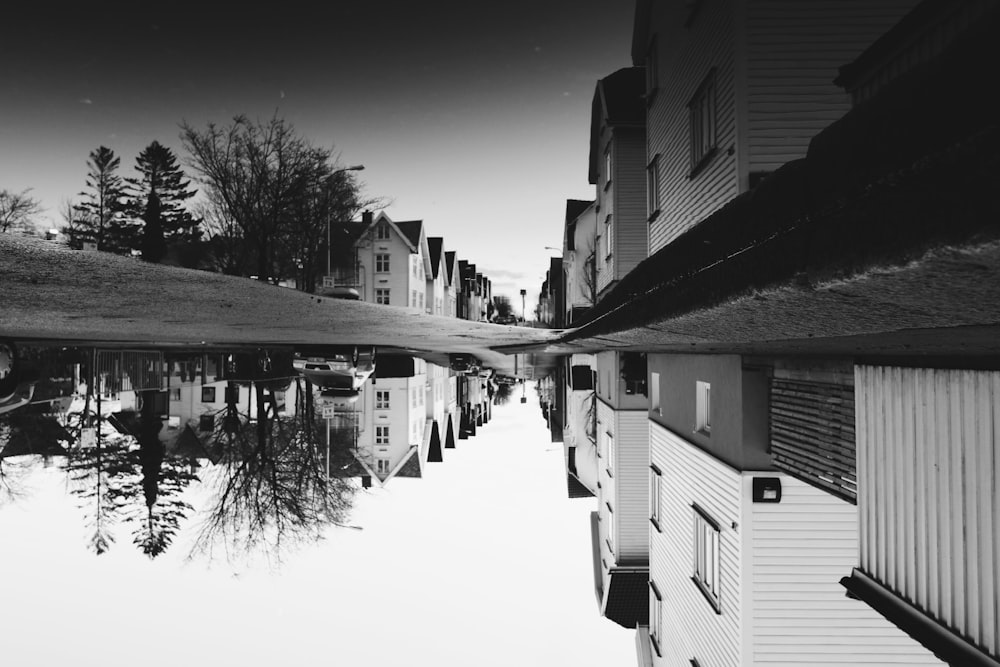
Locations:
366 218
366 481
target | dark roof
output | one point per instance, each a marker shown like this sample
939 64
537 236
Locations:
411 230
35 434
619 99
628 597
411 468
575 488
902 35
434 447
574 207
189 445
449 261
436 245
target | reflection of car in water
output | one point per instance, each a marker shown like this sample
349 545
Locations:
463 363
13 393
339 293
337 369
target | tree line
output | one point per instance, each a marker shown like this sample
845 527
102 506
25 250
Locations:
269 200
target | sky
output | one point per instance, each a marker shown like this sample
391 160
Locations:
473 116
484 561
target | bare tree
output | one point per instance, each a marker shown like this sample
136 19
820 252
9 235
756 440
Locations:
17 211
275 486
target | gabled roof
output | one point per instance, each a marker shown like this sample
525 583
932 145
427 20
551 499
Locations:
575 488
619 100
409 466
40 435
411 230
450 264
436 245
574 207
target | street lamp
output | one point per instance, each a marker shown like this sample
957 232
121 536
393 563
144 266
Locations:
353 167
523 316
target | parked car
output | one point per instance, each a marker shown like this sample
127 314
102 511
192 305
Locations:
14 393
506 319
342 368
464 363
339 293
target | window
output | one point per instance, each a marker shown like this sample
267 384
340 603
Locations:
413 397
382 295
382 466
420 298
654 394
609 244
652 73
381 435
611 527
413 298
208 394
381 263
382 232
654 496
653 188
206 423
381 400
607 166
703 407
655 617
175 394
706 556
609 440
701 112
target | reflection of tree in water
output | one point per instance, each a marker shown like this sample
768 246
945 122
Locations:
271 488
503 394
109 478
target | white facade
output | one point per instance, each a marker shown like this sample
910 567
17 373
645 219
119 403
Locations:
775 570
392 269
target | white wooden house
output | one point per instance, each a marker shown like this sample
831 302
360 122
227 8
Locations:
452 285
579 267
745 561
436 278
617 169
393 261
735 89
620 546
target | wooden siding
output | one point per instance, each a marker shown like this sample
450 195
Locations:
928 474
689 475
631 432
800 548
812 434
611 386
631 229
794 52
686 56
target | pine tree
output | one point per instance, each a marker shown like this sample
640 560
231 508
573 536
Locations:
101 217
154 245
163 179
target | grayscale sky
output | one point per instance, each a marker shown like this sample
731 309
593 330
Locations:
484 562
471 115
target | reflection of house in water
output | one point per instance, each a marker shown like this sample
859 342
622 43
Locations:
394 431
579 428
620 540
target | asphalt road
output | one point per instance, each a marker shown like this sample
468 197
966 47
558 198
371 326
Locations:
51 293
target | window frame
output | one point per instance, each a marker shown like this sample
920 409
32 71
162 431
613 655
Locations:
655 617
653 188
381 399
382 232
703 127
382 262
609 236
655 404
382 466
706 550
207 394
610 540
382 296
382 434
703 407
607 166
655 497
609 444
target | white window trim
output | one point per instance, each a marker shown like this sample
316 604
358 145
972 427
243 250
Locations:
655 617
707 543
382 399
382 259
654 394
703 407
655 496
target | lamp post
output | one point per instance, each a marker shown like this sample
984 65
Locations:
523 315
353 167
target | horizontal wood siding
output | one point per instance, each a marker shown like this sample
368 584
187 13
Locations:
928 472
631 229
607 491
689 475
812 434
686 56
800 548
631 485
794 52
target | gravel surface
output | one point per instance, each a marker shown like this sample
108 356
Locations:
50 292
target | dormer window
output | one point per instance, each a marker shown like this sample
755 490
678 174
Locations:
382 232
